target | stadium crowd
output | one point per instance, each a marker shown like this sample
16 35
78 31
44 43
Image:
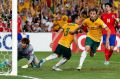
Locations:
5 15
56 14
48 15
29 15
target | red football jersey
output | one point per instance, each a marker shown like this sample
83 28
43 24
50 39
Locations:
11 23
109 20
1 29
19 20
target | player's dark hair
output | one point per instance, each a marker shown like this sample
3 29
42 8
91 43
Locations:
93 9
25 40
74 17
108 4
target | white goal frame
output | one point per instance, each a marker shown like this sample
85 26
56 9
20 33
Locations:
14 41
14 38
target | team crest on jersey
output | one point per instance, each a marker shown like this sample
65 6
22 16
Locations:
96 24
108 20
95 27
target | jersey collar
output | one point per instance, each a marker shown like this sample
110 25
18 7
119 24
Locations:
93 20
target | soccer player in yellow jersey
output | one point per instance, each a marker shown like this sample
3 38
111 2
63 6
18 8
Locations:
95 26
63 48
56 26
63 21
59 23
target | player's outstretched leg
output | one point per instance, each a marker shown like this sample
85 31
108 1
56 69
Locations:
50 57
82 58
61 62
106 56
92 54
92 51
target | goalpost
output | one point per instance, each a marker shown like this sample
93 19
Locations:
10 55
14 38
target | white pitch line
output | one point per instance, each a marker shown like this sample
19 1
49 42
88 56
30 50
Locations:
103 61
29 77
114 62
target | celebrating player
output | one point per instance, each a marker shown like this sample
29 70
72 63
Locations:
95 26
109 18
63 48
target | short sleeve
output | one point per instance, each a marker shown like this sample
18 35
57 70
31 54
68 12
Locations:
84 23
102 24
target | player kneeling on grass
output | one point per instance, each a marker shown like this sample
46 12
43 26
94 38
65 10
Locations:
95 26
63 48
25 50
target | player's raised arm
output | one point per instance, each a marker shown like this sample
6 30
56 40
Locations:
76 41
79 27
60 31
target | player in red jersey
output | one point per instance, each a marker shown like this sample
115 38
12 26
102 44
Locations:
1 25
109 18
19 20
19 29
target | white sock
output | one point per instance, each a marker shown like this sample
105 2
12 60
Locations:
82 58
61 62
51 57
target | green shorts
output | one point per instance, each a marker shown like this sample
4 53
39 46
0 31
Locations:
93 44
64 51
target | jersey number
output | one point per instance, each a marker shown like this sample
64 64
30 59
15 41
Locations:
67 31
108 20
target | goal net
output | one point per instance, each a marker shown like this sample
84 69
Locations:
7 55
8 42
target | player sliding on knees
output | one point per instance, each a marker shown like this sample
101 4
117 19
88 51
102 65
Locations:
25 50
95 26
63 48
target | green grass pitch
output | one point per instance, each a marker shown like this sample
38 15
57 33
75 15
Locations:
93 68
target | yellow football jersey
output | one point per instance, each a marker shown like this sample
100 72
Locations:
67 38
94 28
20 7
63 20
27 4
56 26
62 23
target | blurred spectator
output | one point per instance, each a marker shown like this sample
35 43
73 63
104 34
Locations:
37 28
43 16
5 15
27 27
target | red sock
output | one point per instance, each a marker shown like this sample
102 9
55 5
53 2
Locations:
110 53
106 54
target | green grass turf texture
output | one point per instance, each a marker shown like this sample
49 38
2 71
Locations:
93 68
